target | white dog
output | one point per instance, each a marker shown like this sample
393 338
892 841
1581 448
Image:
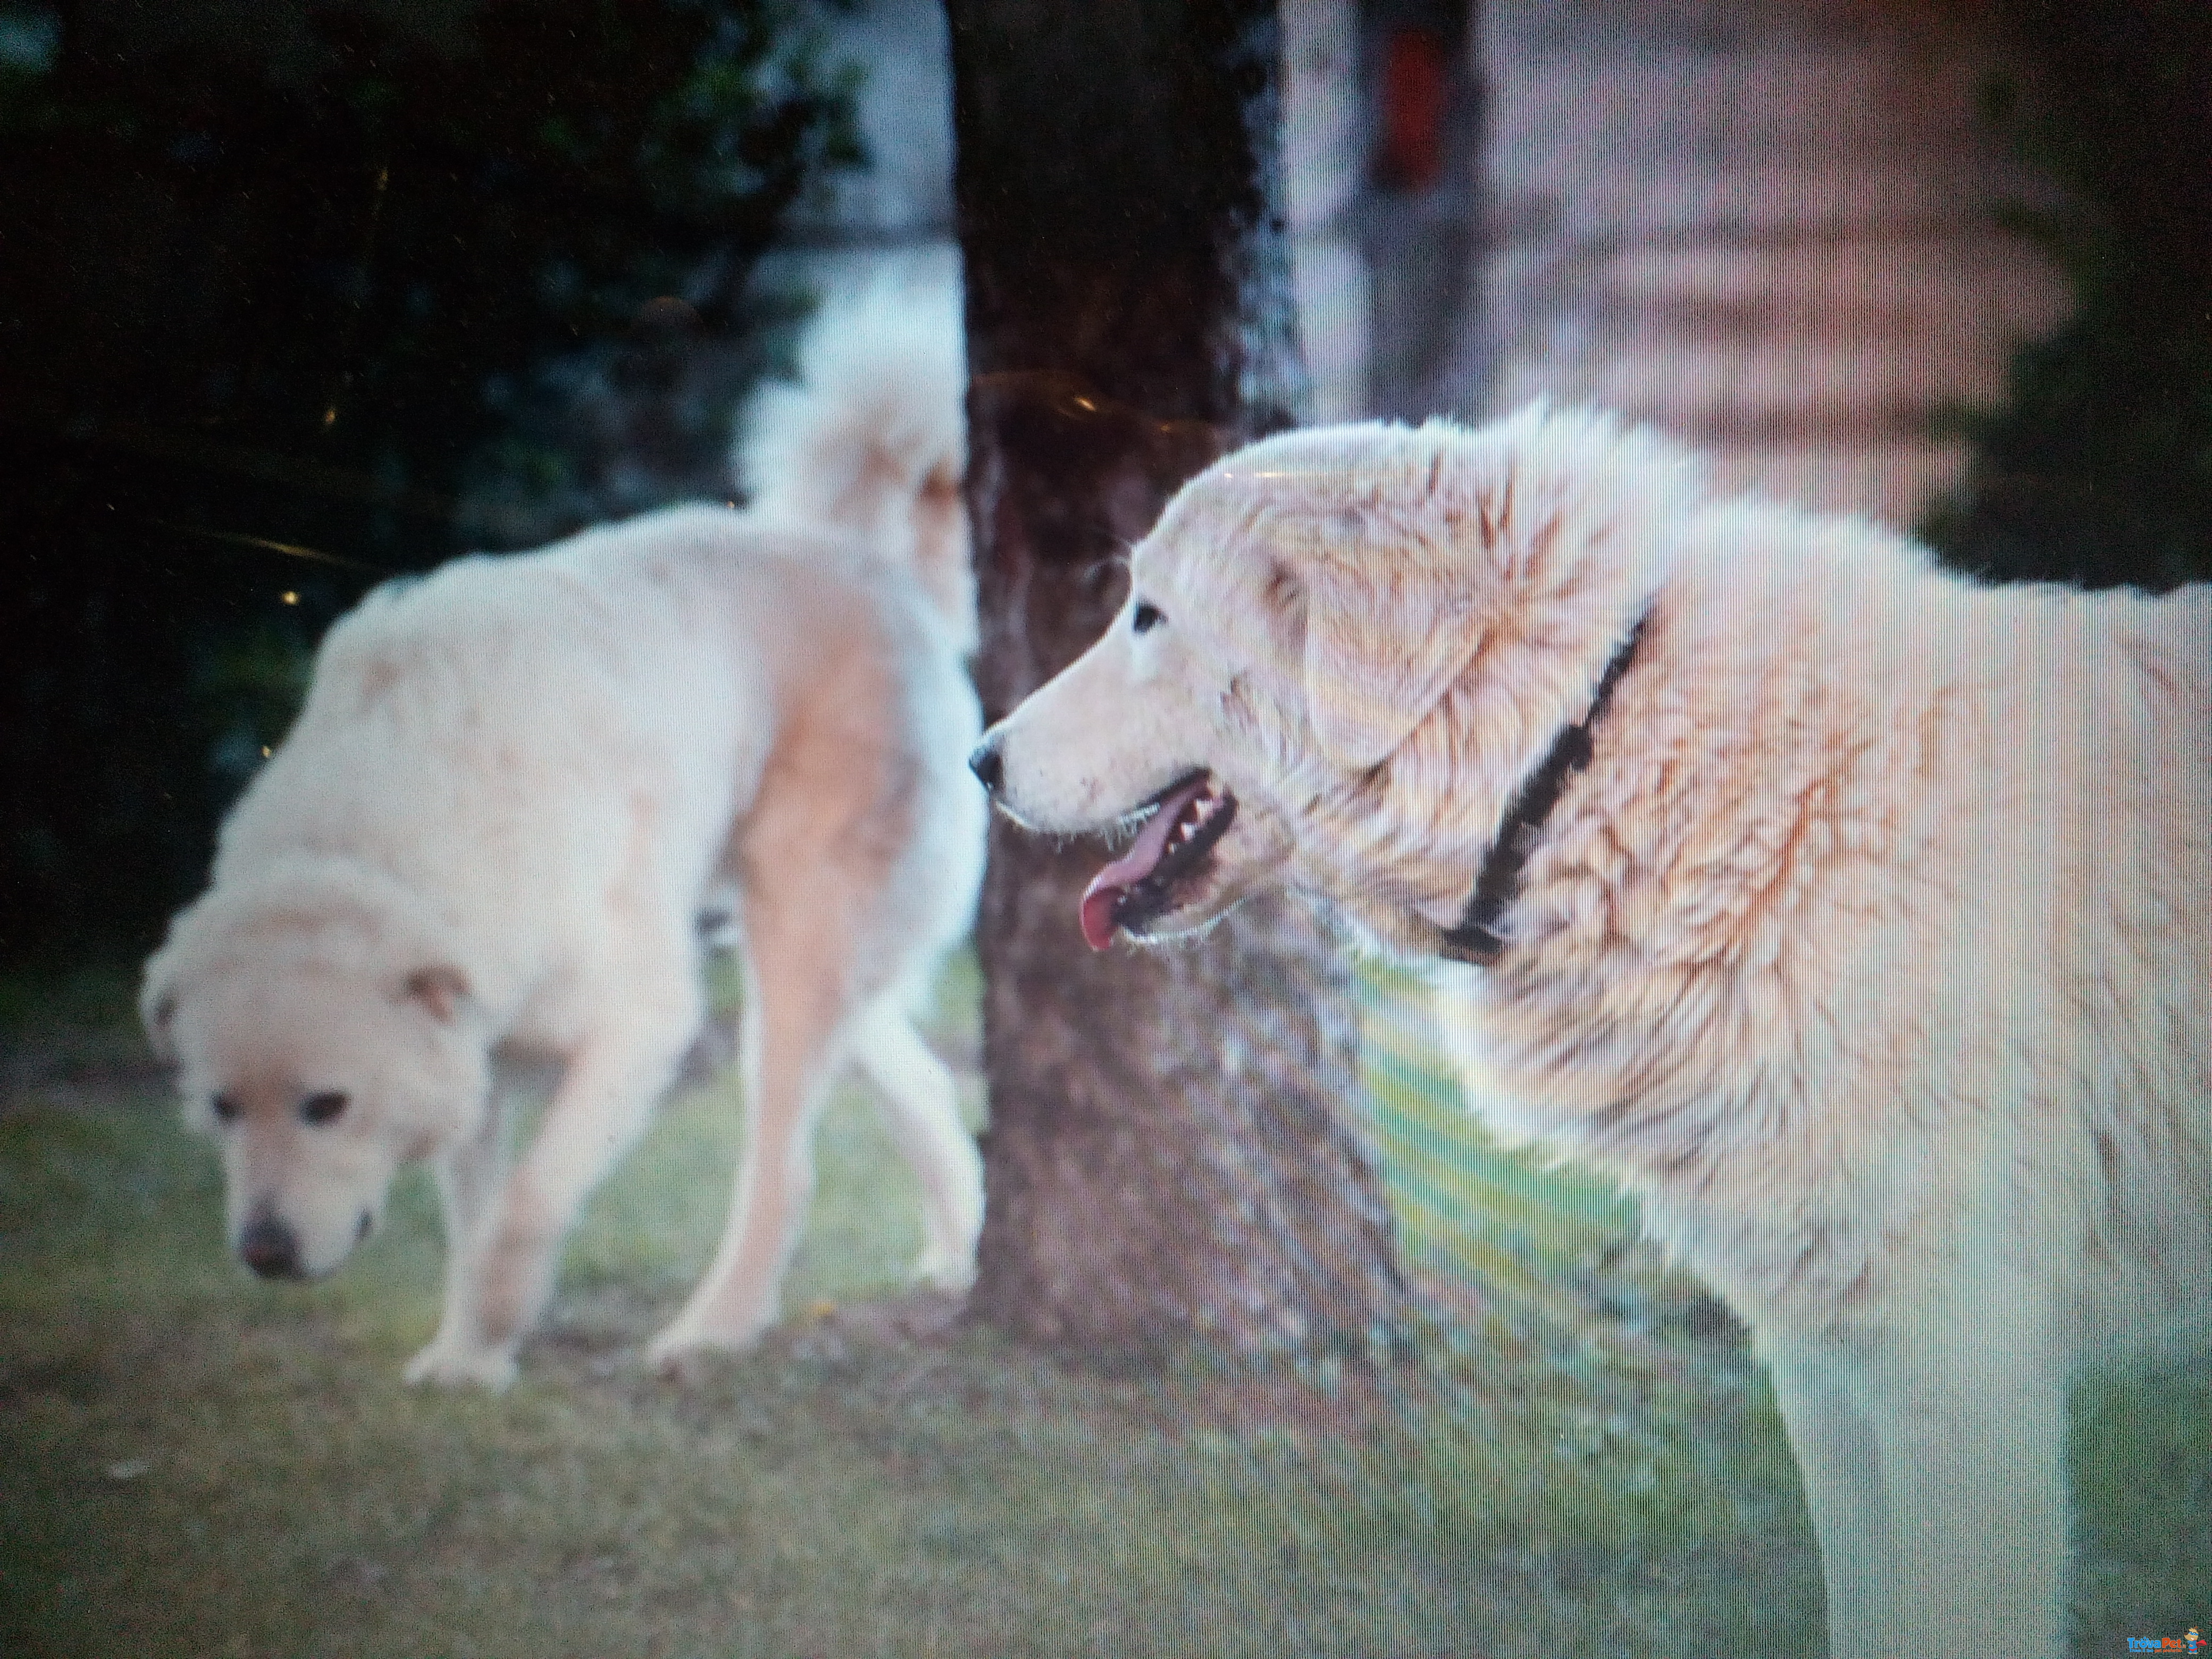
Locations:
517 791
1859 917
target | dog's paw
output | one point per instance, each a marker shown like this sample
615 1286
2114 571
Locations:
676 1353
944 1270
449 1365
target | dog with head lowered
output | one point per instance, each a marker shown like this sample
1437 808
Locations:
523 790
1857 916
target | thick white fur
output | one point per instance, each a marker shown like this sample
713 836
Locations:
1873 950
516 789
879 453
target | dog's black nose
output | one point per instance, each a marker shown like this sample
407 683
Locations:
270 1249
987 766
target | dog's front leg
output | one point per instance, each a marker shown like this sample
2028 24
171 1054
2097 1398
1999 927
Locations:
1973 1469
1840 1459
603 1103
1934 1475
469 1174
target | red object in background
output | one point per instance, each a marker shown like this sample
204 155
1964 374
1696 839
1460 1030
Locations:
1415 72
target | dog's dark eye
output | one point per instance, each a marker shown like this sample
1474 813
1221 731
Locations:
322 1108
1147 617
225 1109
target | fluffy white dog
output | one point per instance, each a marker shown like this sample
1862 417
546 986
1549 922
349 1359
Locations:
516 792
1859 917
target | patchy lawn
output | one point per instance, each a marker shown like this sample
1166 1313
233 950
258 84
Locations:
1579 1457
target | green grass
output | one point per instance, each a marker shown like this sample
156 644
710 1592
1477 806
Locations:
192 1463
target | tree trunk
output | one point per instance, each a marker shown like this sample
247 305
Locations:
1164 1161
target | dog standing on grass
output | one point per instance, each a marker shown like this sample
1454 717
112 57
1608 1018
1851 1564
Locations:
516 789
1859 917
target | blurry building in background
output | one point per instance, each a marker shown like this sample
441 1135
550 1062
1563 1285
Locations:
1383 129
1771 227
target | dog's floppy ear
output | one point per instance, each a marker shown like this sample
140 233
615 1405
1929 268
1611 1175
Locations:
1383 647
441 988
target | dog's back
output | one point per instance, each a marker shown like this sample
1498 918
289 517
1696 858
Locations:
533 702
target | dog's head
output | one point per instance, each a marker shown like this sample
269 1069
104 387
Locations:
1342 650
319 1060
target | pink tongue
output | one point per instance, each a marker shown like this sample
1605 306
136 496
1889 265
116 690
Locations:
1101 898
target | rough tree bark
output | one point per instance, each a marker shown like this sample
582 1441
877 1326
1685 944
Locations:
1164 1160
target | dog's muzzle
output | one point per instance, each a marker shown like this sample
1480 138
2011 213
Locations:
270 1249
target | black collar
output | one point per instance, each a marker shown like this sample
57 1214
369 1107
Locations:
1476 939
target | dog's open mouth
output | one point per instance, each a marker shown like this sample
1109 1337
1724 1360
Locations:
1189 816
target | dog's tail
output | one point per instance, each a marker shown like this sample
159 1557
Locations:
872 440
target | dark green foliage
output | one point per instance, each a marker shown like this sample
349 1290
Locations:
2099 471
270 330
